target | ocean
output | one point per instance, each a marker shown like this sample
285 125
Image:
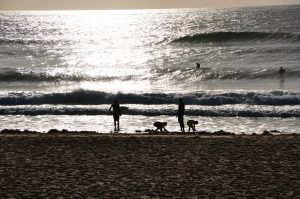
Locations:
63 69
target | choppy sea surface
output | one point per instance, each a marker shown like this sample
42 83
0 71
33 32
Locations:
63 69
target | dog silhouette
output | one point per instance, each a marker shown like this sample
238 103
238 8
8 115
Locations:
160 126
191 124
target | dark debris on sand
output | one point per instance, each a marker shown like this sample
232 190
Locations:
138 132
221 132
50 132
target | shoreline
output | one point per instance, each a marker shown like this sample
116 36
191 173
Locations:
141 133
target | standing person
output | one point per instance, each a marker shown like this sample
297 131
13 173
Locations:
180 114
116 113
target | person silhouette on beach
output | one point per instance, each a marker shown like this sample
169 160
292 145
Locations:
116 114
281 71
180 114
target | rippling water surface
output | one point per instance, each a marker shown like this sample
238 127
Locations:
74 63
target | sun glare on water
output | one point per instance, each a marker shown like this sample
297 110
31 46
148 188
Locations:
104 48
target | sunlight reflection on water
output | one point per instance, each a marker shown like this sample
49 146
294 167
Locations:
129 124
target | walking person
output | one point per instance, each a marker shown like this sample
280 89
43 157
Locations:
180 114
116 114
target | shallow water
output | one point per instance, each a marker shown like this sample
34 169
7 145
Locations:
133 123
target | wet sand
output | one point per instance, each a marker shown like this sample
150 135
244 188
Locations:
148 166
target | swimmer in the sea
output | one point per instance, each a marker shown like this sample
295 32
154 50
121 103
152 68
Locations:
281 71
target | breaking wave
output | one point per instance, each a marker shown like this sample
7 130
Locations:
12 76
226 73
236 36
86 97
211 111
31 42
174 74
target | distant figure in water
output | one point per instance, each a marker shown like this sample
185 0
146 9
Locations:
180 114
281 71
198 65
116 113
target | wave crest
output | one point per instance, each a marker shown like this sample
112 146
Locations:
190 74
86 97
210 111
236 36
32 42
12 76
226 73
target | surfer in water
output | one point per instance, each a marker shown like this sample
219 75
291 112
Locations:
116 113
281 71
198 65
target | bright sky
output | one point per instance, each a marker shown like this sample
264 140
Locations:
131 4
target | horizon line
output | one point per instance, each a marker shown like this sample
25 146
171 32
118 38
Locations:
171 8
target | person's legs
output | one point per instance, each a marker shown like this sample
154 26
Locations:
181 122
118 122
115 124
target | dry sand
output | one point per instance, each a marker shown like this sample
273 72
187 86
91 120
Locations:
149 166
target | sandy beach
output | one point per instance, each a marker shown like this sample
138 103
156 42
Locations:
148 166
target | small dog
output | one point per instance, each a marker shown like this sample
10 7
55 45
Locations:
160 126
191 124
